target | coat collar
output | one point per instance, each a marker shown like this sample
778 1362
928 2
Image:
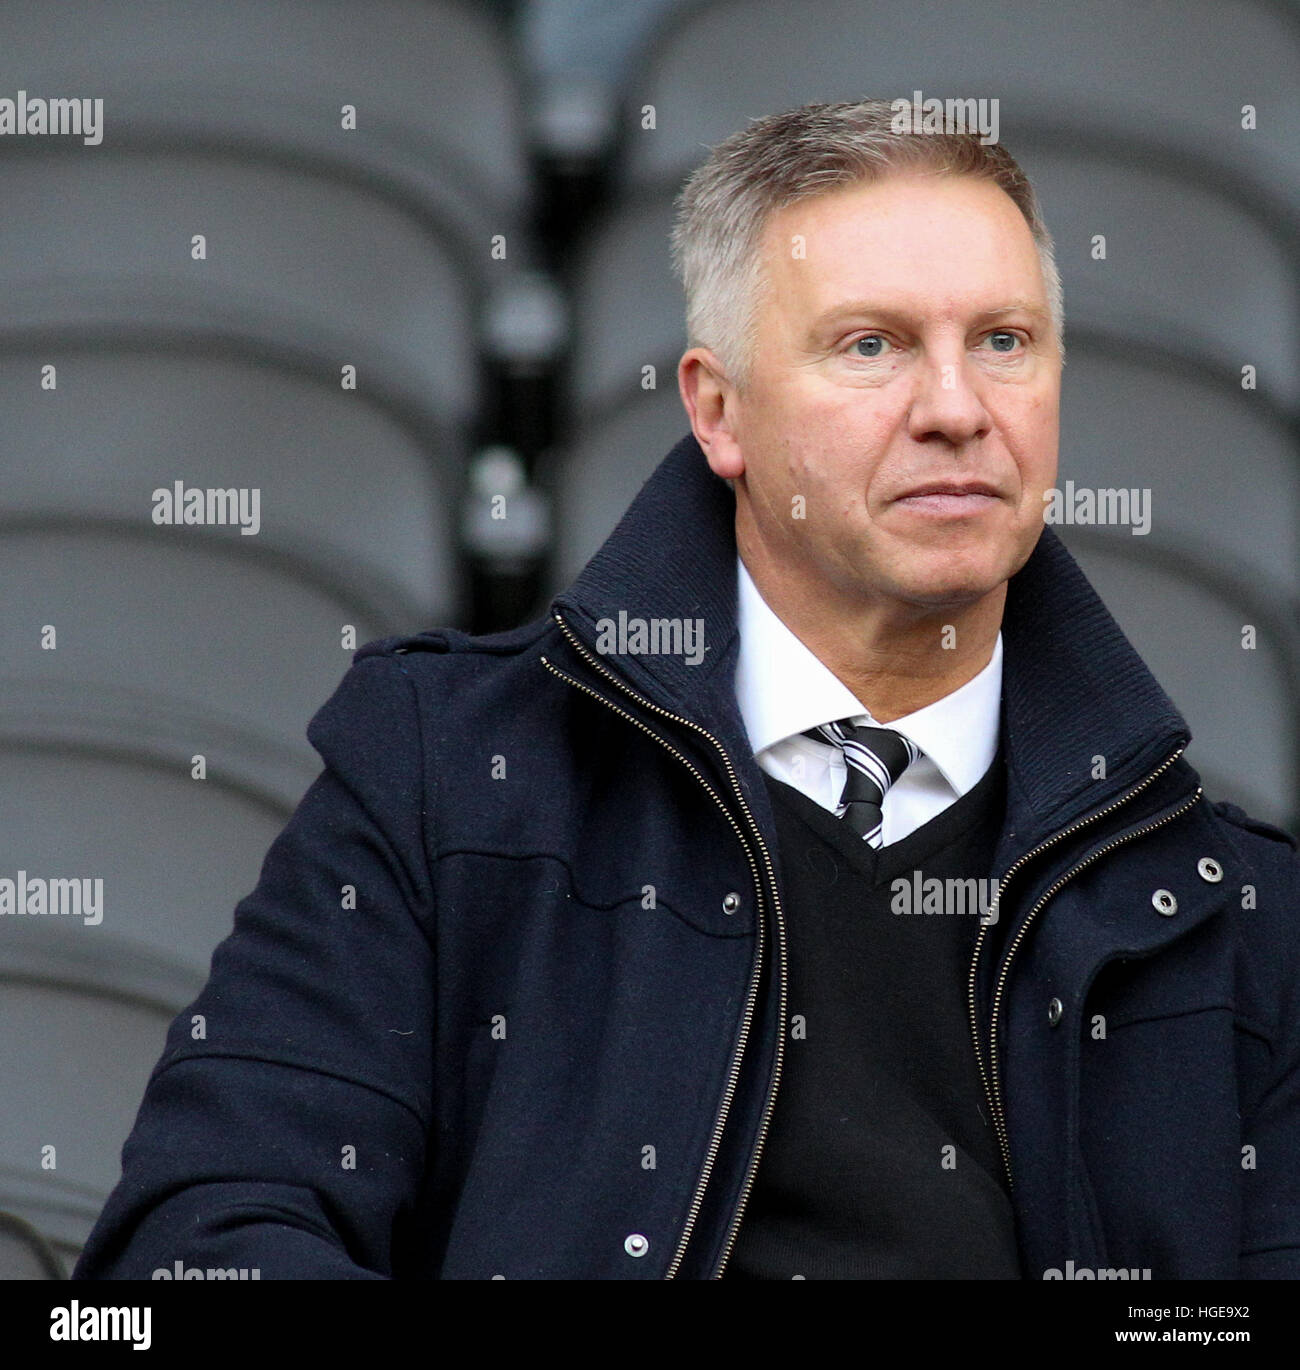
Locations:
1074 689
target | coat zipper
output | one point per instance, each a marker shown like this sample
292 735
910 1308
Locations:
992 1082
733 1074
992 1091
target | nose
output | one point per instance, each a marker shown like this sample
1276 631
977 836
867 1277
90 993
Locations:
946 405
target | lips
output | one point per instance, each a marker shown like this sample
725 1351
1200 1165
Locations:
949 499
951 488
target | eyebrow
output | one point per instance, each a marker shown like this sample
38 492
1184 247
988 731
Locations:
855 308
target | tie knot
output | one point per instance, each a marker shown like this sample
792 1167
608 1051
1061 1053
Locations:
881 751
874 758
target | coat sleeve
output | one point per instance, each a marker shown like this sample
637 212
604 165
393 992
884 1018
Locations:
1270 1114
284 1128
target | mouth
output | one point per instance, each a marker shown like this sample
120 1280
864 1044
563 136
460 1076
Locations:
949 499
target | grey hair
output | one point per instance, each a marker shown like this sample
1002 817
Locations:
783 158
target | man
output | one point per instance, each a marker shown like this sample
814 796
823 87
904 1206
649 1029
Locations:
594 951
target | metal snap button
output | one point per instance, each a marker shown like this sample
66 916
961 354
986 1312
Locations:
1209 869
731 903
1164 902
636 1245
1054 1010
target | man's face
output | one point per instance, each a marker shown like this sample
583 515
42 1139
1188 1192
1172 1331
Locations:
903 347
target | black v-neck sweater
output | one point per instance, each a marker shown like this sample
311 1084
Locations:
881 1161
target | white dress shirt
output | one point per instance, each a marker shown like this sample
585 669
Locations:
783 688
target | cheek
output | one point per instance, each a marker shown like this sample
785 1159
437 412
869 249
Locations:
1031 436
855 428
1045 412
828 440
1043 440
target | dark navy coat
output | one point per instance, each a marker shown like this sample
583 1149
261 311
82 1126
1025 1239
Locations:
509 998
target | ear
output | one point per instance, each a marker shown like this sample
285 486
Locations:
713 406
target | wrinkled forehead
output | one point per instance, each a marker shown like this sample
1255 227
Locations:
911 242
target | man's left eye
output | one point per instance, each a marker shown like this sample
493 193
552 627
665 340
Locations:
874 344
1003 342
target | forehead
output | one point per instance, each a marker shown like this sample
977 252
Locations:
909 236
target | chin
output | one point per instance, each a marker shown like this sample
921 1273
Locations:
949 586
948 597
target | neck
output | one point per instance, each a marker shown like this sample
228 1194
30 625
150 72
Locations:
895 658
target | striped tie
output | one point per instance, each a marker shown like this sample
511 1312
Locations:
874 758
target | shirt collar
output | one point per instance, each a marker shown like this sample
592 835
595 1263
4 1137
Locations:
782 687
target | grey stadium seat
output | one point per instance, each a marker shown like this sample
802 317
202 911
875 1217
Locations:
73 1081
439 119
1223 470
346 482
25 1254
85 1005
625 272
293 259
605 464
1188 267
1186 620
175 856
215 626
1168 76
